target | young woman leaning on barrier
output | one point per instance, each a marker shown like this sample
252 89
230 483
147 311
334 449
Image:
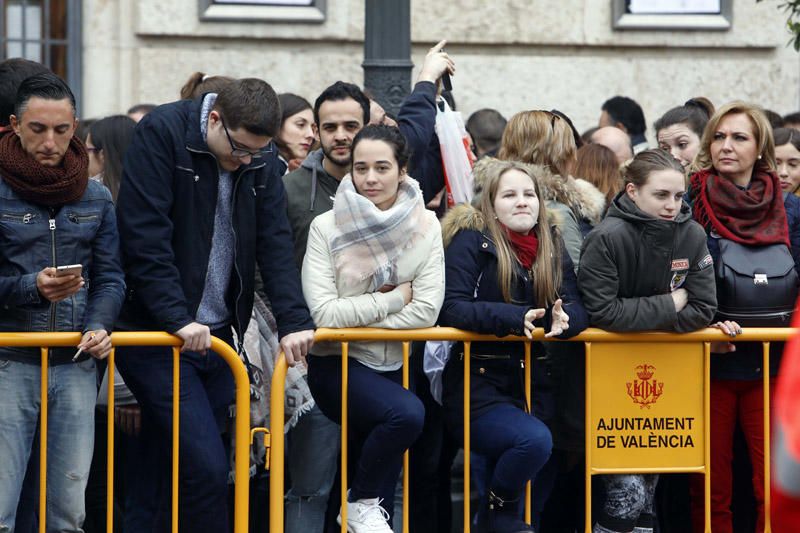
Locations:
646 267
753 230
507 273
375 260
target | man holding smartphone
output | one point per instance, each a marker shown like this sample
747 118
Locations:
52 215
200 204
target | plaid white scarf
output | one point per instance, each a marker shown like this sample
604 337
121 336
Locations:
367 241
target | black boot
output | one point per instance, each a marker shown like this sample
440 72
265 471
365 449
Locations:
504 515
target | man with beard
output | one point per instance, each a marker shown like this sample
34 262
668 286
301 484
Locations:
313 446
339 113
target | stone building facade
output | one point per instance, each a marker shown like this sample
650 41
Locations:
510 55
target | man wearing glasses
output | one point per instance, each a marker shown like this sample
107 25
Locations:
200 204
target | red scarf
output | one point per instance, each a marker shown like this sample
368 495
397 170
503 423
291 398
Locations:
754 216
524 246
48 186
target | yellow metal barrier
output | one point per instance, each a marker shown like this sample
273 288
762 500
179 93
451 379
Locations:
592 335
242 423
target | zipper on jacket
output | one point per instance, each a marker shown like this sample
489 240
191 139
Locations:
81 218
52 225
236 317
27 218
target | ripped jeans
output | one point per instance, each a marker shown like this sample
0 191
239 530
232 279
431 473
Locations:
312 457
628 502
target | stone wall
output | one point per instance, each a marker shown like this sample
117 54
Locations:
511 55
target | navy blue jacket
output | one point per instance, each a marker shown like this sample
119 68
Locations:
33 237
417 122
746 361
166 209
473 301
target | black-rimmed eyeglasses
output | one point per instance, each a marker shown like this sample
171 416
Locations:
239 153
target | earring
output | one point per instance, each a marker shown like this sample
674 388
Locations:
759 156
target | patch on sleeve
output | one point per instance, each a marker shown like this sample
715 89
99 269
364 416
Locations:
677 280
705 262
680 264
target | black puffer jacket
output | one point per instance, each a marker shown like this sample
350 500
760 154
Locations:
632 262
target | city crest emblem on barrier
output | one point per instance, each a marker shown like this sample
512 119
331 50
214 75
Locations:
645 390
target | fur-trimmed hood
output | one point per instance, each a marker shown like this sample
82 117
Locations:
585 200
466 217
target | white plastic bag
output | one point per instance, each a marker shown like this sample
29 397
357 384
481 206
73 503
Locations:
434 360
457 158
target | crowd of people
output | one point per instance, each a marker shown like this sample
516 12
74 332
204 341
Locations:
256 217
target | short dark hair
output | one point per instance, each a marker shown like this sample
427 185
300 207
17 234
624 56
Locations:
141 108
486 128
792 118
44 85
390 135
775 120
628 112
252 104
342 91
12 73
694 113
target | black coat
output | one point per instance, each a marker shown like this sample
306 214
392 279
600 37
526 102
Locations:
166 209
630 264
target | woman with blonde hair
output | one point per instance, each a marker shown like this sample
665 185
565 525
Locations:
750 224
544 138
506 273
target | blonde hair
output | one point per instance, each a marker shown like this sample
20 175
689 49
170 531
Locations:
541 138
546 270
762 131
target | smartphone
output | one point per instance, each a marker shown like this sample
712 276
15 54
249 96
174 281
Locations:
447 84
69 269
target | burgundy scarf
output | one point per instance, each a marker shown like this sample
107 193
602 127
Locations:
755 216
524 246
48 186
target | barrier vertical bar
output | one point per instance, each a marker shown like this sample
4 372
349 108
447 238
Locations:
406 384
276 451
467 396
345 378
707 434
176 395
528 485
43 392
767 440
588 441
110 446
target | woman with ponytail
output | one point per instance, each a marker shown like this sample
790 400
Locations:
645 267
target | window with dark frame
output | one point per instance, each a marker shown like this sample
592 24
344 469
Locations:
256 11
46 31
669 15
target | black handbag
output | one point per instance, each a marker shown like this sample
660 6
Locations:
757 286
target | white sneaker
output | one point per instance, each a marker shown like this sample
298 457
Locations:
366 516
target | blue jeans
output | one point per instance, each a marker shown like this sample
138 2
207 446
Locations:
313 452
207 391
515 443
72 390
384 420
